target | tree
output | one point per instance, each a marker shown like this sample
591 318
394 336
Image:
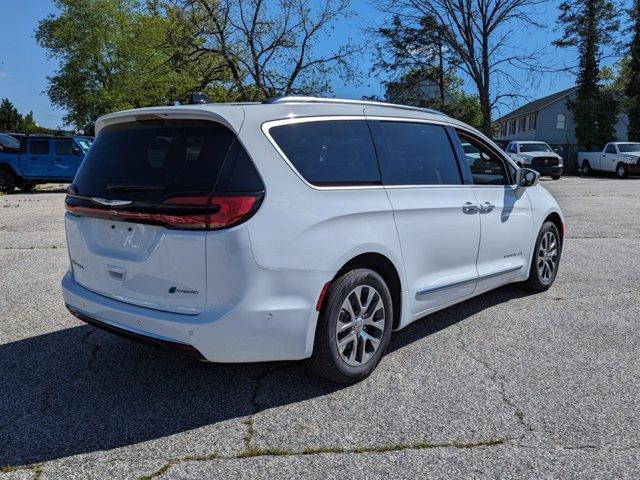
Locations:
409 89
478 34
10 119
632 89
113 55
268 48
589 26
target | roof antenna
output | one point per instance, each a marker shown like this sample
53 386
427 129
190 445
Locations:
198 98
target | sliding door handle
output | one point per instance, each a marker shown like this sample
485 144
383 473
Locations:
470 208
487 208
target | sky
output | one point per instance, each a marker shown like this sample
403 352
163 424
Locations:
24 66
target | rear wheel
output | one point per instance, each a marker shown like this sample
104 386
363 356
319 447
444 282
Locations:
586 167
621 170
354 327
546 259
555 177
7 181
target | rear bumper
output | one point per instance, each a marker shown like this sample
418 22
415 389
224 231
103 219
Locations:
278 323
181 348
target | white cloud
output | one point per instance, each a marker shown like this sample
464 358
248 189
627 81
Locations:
3 75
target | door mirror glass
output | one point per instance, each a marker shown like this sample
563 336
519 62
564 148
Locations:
77 150
527 177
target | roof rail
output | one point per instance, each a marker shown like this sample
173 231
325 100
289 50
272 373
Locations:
343 101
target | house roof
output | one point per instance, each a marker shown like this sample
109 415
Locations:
538 104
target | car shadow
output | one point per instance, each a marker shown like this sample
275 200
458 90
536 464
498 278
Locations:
81 390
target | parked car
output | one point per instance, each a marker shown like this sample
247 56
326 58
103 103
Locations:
301 228
623 158
538 156
40 159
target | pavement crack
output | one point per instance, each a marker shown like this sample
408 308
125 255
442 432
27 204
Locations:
36 468
281 452
495 378
256 406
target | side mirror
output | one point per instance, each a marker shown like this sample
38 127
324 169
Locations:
527 177
76 150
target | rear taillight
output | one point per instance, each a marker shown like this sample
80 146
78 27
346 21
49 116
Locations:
184 213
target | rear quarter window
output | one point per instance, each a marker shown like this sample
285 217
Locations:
330 152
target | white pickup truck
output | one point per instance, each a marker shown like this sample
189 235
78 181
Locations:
536 155
620 157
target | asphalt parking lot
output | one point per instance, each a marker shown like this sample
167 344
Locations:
507 385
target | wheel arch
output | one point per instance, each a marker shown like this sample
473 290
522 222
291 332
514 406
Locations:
555 218
382 265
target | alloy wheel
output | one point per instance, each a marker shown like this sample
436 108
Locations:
547 256
360 325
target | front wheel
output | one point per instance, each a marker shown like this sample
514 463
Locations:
546 259
555 177
354 327
621 170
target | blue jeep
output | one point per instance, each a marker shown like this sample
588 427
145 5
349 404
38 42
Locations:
27 160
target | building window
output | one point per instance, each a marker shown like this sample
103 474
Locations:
523 124
512 127
561 121
503 129
533 120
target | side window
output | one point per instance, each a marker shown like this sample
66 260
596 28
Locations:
512 148
487 167
610 149
330 152
415 154
64 147
39 147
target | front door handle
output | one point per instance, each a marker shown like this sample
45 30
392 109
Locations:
487 208
470 208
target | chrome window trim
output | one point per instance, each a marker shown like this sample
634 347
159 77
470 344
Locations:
266 127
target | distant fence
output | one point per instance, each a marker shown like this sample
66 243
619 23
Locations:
569 153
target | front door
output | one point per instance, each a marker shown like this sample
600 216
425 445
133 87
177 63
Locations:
436 215
66 159
505 216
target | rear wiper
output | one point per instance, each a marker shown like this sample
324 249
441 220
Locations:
116 187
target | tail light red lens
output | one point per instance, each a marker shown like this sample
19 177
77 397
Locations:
222 212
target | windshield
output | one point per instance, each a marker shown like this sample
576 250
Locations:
534 147
629 147
84 143
8 141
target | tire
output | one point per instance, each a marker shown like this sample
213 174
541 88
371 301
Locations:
7 181
555 177
27 186
621 170
541 278
586 168
344 363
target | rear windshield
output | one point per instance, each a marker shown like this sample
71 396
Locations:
151 161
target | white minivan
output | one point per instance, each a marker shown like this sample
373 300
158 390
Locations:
300 228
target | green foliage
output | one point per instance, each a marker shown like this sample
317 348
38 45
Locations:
12 121
590 26
114 55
